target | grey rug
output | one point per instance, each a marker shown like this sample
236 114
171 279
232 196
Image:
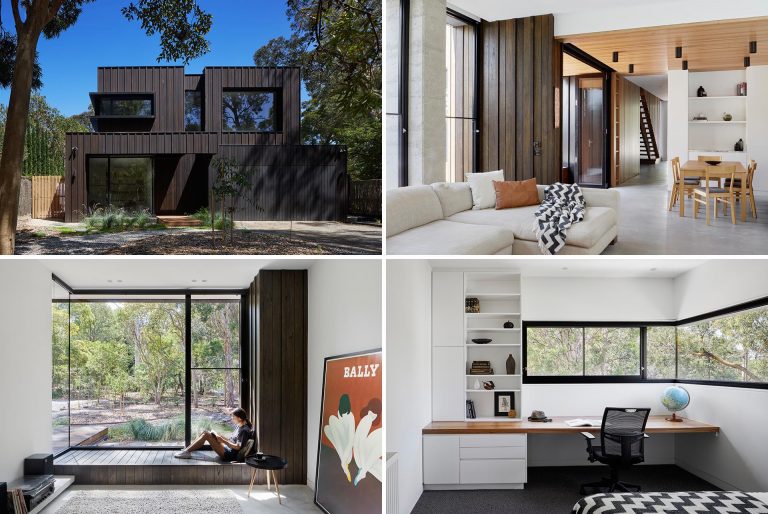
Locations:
145 502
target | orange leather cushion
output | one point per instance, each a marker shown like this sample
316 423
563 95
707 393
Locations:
516 194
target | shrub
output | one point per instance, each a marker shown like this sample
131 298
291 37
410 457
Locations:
168 430
203 215
109 219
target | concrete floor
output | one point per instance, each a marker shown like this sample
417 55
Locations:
296 498
646 227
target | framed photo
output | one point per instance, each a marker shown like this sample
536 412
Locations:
503 402
350 449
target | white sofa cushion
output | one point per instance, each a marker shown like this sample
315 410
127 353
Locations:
454 197
449 238
481 184
410 207
597 221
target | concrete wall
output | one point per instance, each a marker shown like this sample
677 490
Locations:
757 123
344 317
677 118
409 402
25 364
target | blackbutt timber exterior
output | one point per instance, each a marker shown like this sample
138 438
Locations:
157 131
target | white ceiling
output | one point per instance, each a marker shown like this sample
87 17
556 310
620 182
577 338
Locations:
577 267
163 273
656 84
493 10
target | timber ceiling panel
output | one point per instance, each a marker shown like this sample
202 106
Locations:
710 46
573 67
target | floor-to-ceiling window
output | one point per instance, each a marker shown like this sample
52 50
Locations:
143 370
120 182
460 98
396 92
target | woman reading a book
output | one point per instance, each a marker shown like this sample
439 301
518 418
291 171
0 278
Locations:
225 448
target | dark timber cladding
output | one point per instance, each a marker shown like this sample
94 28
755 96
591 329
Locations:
281 342
519 69
302 182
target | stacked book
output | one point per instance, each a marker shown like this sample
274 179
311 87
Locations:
481 368
16 503
471 414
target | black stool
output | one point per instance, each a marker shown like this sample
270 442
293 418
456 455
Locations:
269 463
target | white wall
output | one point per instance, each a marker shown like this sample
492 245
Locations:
25 364
409 403
757 123
677 117
662 13
738 458
344 317
591 299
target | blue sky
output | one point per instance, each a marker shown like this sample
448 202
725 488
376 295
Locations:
103 37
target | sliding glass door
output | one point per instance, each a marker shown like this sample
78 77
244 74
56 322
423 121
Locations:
149 370
461 97
120 182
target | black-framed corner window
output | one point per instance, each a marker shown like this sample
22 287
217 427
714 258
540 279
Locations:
250 111
726 347
461 54
145 370
193 111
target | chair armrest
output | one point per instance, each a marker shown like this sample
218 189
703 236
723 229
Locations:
646 436
588 435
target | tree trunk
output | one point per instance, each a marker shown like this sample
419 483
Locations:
13 142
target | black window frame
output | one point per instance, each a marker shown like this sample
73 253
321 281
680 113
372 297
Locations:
277 106
201 97
98 99
245 351
643 326
109 158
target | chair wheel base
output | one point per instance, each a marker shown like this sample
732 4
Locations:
606 485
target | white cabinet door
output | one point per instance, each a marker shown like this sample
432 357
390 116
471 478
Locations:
448 384
447 308
494 471
441 459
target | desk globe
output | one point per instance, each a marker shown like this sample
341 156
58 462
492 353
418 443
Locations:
675 399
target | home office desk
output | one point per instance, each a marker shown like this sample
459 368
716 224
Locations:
494 454
655 425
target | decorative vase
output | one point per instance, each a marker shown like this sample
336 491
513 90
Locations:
509 324
510 365
727 117
477 383
739 146
701 92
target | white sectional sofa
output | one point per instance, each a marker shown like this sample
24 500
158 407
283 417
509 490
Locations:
438 219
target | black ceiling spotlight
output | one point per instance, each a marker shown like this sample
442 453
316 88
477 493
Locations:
753 47
615 56
678 52
631 68
685 65
746 62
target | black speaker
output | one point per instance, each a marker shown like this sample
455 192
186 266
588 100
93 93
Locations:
3 498
38 464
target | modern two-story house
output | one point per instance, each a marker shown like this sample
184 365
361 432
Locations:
157 131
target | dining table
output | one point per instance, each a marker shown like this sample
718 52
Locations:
697 169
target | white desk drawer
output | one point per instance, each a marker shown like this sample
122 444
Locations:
491 440
493 471
505 452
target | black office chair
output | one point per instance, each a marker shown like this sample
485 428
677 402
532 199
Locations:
622 438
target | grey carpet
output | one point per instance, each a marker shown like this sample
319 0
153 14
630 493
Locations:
144 502
554 490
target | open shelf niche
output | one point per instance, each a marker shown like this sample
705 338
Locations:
499 294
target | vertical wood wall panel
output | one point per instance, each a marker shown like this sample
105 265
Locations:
629 137
519 68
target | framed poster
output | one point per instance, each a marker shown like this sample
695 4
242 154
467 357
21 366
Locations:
504 401
350 466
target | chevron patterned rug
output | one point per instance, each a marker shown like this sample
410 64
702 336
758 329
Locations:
714 502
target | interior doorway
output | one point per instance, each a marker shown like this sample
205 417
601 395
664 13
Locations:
586 118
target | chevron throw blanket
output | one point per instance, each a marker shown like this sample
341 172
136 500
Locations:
563 206
715 502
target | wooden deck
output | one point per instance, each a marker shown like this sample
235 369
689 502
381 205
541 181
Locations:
148 467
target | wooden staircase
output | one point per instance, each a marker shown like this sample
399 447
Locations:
649 150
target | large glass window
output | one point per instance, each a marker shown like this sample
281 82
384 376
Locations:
119 368
607 351
193 111
661 348
249 111
120 182
460 112
124 106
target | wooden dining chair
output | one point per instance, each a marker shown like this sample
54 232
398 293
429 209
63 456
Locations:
750 192
689 184
703 195
718 158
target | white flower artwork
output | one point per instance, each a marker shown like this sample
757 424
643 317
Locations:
368 448
340 430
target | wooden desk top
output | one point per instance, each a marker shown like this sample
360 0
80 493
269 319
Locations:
701 166
655 425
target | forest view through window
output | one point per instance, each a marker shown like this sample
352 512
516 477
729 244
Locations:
119 369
